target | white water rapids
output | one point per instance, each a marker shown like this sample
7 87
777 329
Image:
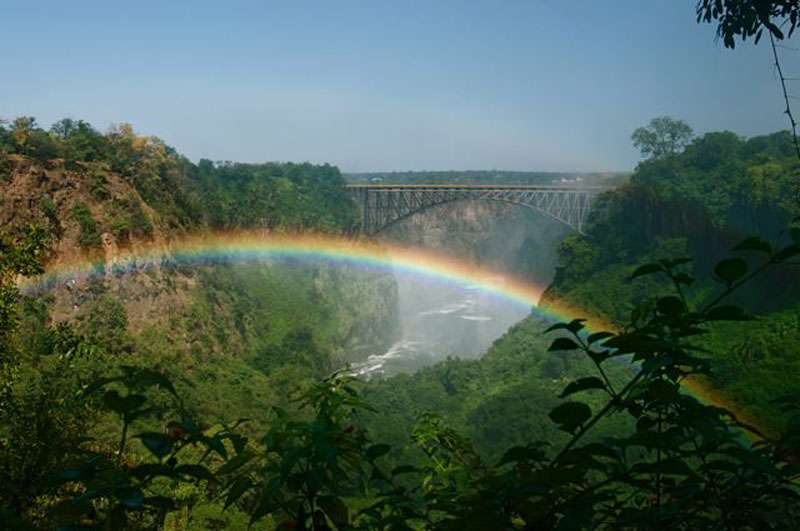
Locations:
440 320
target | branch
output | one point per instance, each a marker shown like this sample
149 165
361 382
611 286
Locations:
788 110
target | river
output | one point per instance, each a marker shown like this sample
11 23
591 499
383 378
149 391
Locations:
438 320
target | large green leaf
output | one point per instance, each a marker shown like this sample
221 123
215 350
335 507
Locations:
582 384
570 415
159 444
730 270
334 508
563 343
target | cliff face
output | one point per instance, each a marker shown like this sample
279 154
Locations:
496 235
250 311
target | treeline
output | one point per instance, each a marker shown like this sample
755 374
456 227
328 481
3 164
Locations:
488 177
701 201
186 195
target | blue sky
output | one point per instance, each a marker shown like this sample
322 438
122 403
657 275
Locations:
378 85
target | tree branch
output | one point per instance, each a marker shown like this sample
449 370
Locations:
788 110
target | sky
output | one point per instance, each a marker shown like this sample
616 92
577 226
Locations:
376 85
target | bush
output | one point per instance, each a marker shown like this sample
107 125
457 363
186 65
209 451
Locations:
89 236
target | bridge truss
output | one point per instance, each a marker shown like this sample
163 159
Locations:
384 204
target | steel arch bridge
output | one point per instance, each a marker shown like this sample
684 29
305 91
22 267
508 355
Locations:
384 204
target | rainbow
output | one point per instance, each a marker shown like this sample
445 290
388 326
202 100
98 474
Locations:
243 247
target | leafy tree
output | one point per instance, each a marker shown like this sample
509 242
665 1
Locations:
107 325
748 18
18 256
662 138
21 130
79 141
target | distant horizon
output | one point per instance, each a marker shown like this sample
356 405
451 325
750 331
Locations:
196 160
394 86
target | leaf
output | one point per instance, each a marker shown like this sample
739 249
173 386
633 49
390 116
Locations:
570 415
517 454
99 383
72 474
196 471
754 243
215 443
563 343
152 470
670 306
122 405
148 377
160 502
403 469
335 509
674 262
235 463
159 444
576 325
598 336
376 451
557 326
131 497
237 488
730 270
787 252
728 313
377 475
583 384
573 326
646 269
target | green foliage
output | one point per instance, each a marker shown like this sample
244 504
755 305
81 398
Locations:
20 256
89 236
740 19
79 141
664 137
51 213
106 325
130 221
120 493
691 205
275 196
674 464
308 468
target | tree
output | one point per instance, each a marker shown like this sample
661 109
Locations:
662 138
21 129
748 18
79 140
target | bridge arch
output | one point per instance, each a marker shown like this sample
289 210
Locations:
384 205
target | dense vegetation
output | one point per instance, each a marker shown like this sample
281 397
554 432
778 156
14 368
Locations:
669 461
700 202
509 445
91 437
191 196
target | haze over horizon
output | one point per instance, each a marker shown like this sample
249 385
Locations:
538 86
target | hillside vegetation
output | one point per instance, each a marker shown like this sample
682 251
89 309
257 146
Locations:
236 338
700 203
195 396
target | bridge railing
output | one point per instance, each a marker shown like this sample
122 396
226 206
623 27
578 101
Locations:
384 204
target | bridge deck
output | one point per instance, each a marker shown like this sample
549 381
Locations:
384 204
467 187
